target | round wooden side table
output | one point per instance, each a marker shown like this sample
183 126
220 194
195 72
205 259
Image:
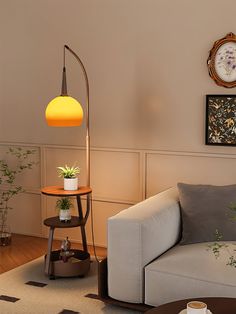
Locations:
52 266
216 305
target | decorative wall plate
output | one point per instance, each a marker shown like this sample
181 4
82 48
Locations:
222 61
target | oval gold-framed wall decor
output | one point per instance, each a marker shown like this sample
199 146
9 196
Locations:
222 61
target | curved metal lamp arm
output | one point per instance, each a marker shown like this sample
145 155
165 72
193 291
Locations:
87 112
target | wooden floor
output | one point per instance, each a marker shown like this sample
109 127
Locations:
25 248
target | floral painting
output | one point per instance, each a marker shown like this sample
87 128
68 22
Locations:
221 61
225 62
221 120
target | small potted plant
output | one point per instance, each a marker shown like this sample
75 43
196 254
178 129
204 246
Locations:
64 205
70 177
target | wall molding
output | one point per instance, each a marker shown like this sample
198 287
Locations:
191 154
148 169
128 150
143 164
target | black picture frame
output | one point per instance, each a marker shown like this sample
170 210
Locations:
220 120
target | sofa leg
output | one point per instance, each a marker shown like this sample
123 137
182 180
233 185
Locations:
102 278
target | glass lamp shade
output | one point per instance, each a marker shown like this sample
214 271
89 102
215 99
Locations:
64 111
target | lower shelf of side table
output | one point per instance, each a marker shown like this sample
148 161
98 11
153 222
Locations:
77 265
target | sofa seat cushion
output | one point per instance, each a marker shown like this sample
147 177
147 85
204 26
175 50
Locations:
189 271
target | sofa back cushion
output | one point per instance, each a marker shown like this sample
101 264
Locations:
205 209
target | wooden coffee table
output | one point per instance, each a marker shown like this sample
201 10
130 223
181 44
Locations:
215 305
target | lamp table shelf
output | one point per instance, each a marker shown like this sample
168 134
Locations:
53 265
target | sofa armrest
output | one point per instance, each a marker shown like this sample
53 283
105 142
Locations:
136 236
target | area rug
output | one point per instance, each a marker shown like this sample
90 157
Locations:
26 290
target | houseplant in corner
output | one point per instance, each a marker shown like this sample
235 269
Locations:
64 205
70 177
8 187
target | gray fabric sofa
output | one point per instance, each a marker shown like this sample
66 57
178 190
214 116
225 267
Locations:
147 265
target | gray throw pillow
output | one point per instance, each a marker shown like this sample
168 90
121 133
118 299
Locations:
205 209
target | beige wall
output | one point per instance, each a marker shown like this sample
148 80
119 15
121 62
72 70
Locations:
146 61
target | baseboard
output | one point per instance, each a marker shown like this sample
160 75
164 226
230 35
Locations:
29 234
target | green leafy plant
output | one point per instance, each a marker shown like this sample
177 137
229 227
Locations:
68 172
64 203
218 245
8 175
232 206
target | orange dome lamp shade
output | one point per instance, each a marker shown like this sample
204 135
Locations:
64 111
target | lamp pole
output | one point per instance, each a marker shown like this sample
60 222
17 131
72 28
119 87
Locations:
87 115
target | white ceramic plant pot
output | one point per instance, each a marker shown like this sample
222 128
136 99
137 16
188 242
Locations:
70 184
65 215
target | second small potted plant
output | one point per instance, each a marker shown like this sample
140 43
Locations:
70 177
64 205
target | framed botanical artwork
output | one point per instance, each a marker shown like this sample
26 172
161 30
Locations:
222 61
221 120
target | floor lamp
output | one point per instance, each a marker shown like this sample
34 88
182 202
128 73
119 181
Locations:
65 111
